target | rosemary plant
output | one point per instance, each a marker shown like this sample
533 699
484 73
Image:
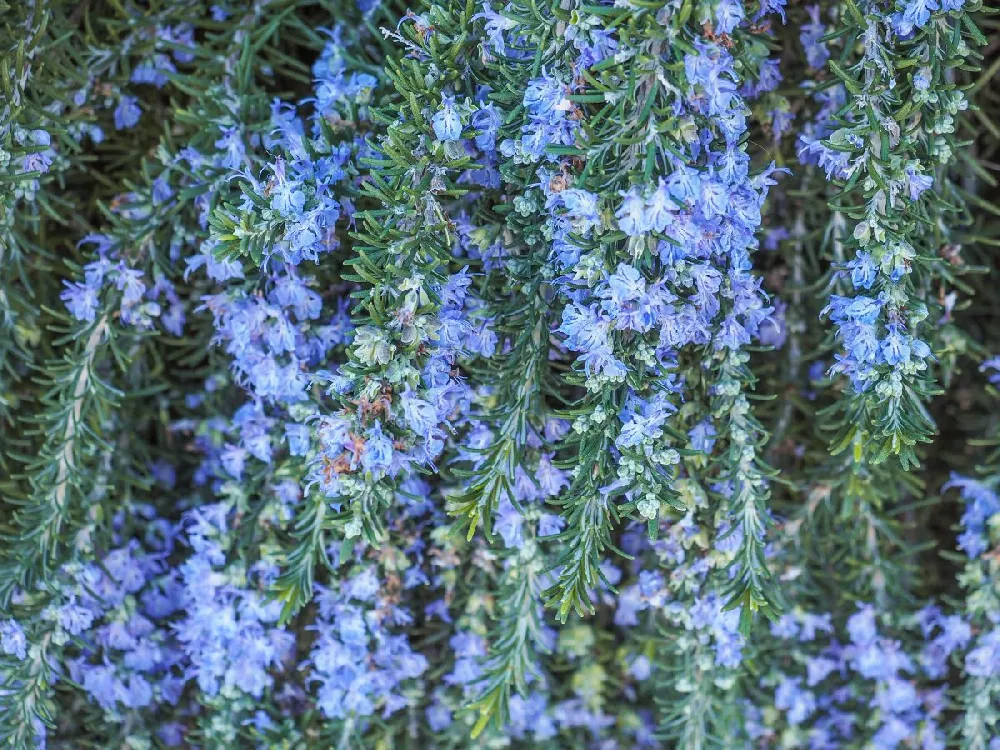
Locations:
499 373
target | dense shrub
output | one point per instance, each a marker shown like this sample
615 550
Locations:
499 374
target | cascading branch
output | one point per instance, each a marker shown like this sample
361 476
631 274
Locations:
666 280
382 376
888 149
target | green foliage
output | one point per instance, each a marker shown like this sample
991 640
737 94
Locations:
508 532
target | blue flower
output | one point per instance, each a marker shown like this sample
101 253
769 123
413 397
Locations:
233 460
594 45
509 524
12 639
447 122
551 479
917 183
550 525
633 218
800 704
772 6
420 415
861 309
438 717
702 436
102 684
487 121
545 97
154 71
581 207
378 451
643 421
915 13
863 271
73 618
732 334
895 348
298 438
984 660
585 327
922 79
818 669
861 626
810 34
496 26
127 113
785 626
129 281
728 15
660 208
81 300
231 144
